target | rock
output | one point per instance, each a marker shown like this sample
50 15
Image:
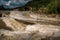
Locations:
32 17
44 30
32 32
23 31
27 16
13 24
14 35
23 15
3 25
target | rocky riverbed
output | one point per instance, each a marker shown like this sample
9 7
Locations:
27 25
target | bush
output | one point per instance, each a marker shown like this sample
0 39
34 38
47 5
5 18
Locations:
50 6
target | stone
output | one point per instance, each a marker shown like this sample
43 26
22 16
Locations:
32 32
12 24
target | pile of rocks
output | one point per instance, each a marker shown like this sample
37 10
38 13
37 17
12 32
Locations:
15 27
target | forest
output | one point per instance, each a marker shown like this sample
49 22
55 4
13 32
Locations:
48 6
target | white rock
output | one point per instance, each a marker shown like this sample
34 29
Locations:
13 24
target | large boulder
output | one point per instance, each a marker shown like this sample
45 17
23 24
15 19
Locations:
34 17
22 31
32 32
7 22
14 35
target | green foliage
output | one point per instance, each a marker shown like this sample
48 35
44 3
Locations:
49 5
52 6
38 3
